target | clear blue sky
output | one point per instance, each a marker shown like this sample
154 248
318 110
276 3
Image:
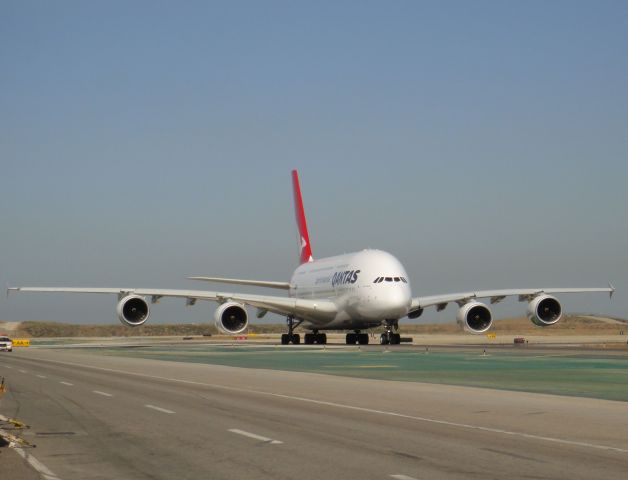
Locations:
483 143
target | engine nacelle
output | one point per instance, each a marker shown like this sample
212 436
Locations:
231 318
544 310
474 317
132 310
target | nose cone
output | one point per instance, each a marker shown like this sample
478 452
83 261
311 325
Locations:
395 301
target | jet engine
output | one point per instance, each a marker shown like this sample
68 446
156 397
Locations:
132 310
474 317
544 310
231 318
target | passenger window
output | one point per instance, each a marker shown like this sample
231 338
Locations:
389 279
397 279
376 280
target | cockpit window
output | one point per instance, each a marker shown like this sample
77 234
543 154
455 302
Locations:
390 279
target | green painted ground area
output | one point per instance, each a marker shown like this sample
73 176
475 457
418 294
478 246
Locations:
586 375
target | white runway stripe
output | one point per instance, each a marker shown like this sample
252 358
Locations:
402 477
104 394
256 437
67 383
159 409
37 465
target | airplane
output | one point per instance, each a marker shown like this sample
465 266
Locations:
352 292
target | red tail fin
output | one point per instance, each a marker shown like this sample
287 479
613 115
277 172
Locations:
304 237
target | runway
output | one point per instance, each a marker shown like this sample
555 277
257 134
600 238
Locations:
96 417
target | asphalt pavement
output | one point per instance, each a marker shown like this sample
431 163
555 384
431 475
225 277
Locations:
93 416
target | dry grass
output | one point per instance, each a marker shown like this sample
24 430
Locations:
53 329
570 325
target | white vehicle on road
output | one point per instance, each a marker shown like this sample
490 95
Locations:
6 344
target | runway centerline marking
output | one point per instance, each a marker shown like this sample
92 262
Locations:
22 371
42 376
402 477
434 421
104 394
255 436
159 409
67 383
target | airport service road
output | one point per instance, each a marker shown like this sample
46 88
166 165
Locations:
102 417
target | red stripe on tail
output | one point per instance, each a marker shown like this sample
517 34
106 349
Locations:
304 237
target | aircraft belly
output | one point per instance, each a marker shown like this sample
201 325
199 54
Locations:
345 319
349 324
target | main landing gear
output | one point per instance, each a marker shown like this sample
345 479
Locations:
295 338
357 337
388 337
292 337
315 337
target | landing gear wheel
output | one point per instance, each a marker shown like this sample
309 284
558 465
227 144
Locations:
315 337
363 338
292 337
388 337
351 339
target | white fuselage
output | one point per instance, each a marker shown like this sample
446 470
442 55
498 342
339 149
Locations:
368 287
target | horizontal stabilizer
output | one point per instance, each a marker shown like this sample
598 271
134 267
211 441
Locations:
237 281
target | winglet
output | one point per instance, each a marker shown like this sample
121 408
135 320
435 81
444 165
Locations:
612 290
304 237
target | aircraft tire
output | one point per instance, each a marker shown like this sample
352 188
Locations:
285 339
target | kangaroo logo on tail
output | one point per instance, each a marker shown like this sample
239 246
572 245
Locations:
306 250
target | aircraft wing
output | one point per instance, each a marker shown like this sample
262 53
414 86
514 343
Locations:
238 281
300 308
524 294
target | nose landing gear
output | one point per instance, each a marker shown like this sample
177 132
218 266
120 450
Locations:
388 337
